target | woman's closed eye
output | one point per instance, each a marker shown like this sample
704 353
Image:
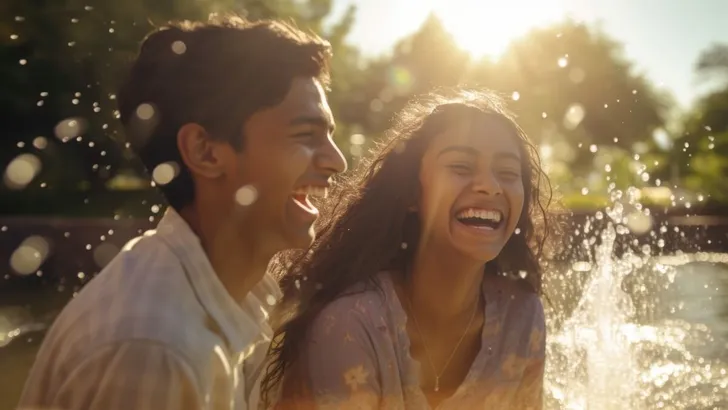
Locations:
461 168
509 174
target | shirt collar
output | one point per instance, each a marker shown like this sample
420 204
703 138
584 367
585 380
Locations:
242 324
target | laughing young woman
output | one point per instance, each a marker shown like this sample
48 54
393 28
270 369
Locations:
422 289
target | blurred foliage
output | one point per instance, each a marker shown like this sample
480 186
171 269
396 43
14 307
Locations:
569 84
699 157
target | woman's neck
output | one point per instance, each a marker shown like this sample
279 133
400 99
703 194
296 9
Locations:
443 287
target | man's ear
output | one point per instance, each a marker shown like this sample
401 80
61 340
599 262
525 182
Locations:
201 154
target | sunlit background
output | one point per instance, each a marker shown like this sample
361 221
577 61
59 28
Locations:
627 101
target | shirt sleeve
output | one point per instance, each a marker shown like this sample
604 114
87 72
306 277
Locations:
530 391
133 375
338 367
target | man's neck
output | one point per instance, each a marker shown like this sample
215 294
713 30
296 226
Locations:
236 260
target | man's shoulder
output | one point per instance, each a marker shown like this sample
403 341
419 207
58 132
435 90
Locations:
143 294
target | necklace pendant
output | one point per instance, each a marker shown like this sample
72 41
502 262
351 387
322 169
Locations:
437 384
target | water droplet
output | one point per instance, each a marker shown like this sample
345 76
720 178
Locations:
111 30
356 150
585 191
376 105
155 208
593 148
164 173
21 171
30 255
639 223
403 245
544 115
70 128
271 300
179 47
13 36
563 62
581 266
246 195
608 168
23 61
645 176
145 111
516 96
357 139
634 92
574 116
577 75
517 231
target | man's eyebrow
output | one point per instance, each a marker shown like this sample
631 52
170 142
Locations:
317 120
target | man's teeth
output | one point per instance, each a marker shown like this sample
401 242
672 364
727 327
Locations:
311 190
494 216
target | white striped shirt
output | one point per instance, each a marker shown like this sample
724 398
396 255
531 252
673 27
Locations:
155 330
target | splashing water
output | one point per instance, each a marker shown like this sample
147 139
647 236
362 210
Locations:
612 350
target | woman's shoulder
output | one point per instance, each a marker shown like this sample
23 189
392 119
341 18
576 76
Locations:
518 294
365 303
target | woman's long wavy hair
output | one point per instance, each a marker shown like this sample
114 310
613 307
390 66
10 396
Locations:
364 223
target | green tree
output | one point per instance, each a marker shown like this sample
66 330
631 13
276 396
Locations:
700 154
575 89
64 59
569 85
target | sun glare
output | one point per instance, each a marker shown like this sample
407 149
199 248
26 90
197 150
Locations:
486 27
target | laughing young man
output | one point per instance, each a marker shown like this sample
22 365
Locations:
231 120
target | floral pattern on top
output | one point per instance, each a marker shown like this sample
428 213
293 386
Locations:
357 355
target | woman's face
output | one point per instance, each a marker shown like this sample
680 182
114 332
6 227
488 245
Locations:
472 188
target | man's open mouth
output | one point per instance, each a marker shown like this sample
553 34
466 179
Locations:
301 197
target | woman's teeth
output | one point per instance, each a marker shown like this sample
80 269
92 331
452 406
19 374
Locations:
484 214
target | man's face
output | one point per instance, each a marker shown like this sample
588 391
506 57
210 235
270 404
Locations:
288 156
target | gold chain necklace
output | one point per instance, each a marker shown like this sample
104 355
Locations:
427 351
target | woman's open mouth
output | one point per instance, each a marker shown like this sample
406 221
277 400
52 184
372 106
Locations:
482 219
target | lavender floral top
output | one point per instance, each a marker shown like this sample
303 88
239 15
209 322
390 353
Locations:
358 355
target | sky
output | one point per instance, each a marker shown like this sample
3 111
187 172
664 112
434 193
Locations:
663 38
